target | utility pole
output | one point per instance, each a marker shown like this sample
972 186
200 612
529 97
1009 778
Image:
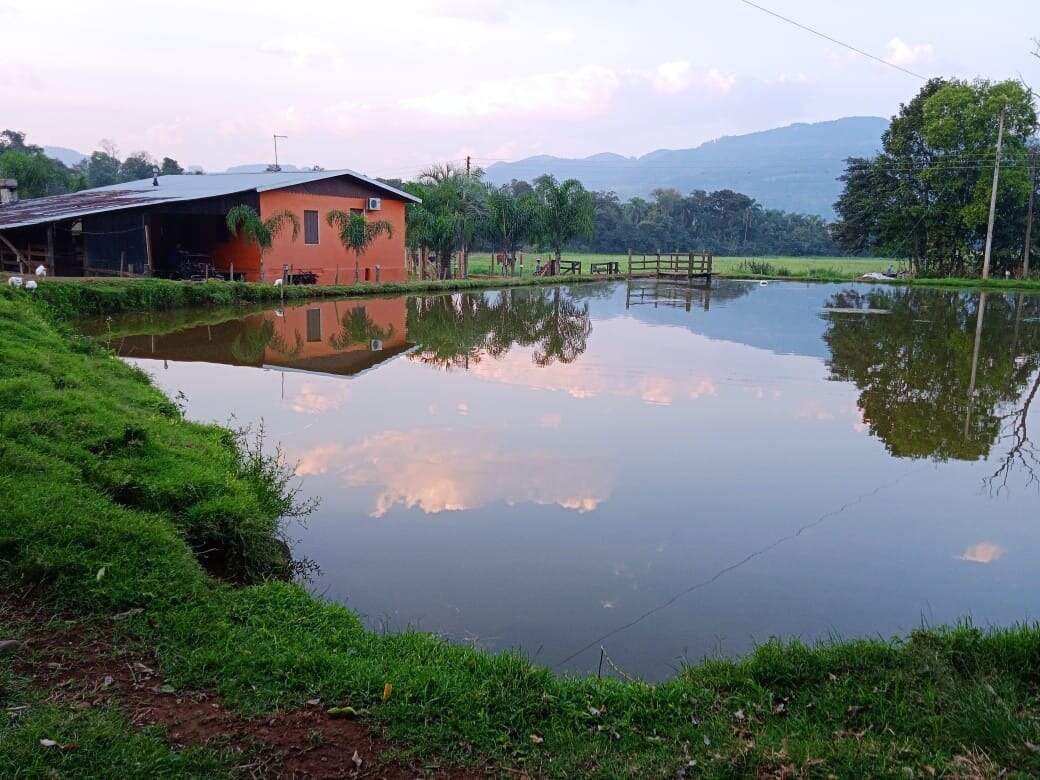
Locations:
277 167
464 260
1029 216
993 198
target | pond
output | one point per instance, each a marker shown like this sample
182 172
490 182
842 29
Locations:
664 472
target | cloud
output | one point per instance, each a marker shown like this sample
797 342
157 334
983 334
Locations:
673 77
317 460
902 53
453 470
983 552
585 91
314 399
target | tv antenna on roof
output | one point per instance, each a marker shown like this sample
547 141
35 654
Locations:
276 166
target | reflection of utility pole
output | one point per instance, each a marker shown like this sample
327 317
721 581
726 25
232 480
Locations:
993 198
975 359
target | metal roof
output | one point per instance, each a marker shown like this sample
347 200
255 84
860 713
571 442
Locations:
171 189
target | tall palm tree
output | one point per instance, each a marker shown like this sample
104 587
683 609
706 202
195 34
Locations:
565 212
509 220
245 221
357 233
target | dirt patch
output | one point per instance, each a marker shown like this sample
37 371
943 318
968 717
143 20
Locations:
76 663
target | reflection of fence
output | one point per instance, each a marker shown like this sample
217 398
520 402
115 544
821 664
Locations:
673 265
670 295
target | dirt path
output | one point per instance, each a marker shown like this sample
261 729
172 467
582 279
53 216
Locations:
76 663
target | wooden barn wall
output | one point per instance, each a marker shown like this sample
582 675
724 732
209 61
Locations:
344 186
115 238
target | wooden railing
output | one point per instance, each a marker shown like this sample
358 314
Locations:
672 264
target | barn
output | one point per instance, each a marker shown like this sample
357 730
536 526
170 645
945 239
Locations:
175 227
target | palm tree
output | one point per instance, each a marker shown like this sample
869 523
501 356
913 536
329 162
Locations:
565 212
262 232
357 233
509 220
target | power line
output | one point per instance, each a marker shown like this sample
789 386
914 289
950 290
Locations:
834 40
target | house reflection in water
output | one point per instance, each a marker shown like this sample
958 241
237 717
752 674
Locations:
341 338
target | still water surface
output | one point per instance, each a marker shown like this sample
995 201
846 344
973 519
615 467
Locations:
663 472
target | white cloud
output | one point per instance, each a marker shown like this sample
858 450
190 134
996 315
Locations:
585 91
678 76
454 470
902 53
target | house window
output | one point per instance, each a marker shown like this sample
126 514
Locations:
310 227
357 211
313 324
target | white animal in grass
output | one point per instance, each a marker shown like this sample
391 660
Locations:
30 285
41 270
15 281
278 282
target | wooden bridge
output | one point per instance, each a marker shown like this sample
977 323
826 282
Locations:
685 266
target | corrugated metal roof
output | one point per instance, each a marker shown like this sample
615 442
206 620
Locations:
184 187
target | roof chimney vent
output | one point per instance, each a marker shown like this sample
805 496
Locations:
8 191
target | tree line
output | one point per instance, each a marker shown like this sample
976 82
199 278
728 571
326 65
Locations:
461 212
40 175
926 196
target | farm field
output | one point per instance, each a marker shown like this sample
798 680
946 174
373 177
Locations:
830 267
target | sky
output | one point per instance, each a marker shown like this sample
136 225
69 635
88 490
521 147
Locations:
390 87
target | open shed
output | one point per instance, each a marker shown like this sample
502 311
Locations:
175 226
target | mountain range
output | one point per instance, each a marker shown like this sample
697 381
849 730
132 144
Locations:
793 168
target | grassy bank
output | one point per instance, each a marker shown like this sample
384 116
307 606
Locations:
110 499
65 299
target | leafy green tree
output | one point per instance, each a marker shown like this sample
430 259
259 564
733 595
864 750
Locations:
38 175
170 167
139 165
926 195
565 213
357 233
244 221
100 169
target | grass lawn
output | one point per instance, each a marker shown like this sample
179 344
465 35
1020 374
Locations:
830 267
109 499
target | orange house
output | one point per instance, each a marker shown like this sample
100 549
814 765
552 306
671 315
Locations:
317 249
175 226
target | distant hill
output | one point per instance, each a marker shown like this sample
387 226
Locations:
63 154
793 168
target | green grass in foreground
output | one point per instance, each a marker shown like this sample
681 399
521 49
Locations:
105 494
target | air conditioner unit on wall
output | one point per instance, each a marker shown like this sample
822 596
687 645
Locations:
375 204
